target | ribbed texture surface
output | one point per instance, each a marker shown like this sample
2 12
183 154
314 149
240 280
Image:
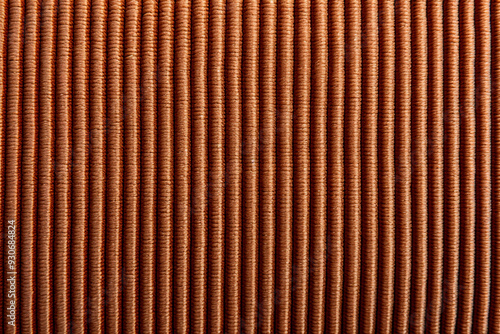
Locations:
201 166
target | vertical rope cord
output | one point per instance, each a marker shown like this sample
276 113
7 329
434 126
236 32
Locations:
483 171
29 167
250 133
369 162
131 180
435 165
419 186
80 176
301 163
451 166
402 163
46 151
114 171
233 166
182 156
335 174
467 167
494 320
319 149
386 160
199 166
352 167
62 199
149 31
4 28
216 151
284 191
13 132
165 137
267 167
97 128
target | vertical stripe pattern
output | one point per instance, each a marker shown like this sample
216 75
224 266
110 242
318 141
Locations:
250 166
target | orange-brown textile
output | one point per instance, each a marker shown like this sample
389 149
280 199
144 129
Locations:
250 166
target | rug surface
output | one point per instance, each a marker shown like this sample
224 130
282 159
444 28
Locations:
250 166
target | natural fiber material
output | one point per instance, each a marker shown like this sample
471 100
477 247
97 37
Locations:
250 166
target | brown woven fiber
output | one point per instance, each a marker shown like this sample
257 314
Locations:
250 166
